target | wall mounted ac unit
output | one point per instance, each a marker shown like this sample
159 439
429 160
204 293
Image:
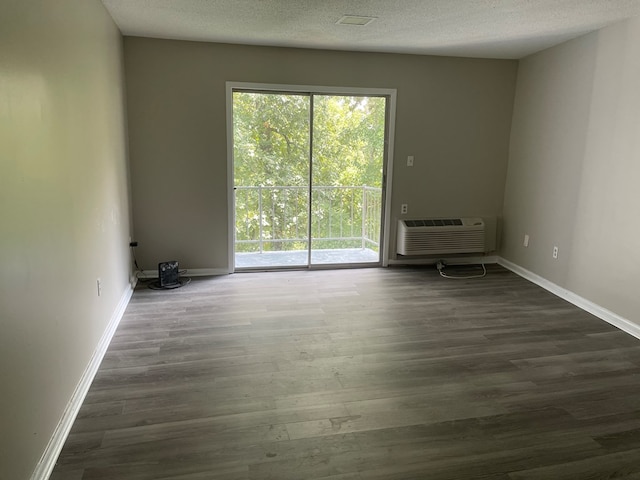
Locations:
437 236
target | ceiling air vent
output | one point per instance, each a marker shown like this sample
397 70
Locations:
357 20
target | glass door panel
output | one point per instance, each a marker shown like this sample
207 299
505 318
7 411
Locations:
271 134
347 175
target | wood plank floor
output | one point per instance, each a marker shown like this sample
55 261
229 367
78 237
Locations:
359 374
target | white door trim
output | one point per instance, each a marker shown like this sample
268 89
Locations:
390 93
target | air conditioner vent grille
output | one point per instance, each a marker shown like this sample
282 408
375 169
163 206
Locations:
436 222
436 236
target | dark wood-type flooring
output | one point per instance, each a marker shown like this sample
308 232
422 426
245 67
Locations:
359 374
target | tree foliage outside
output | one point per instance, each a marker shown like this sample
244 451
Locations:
272 170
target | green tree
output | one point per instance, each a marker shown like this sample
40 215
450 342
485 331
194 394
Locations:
348 140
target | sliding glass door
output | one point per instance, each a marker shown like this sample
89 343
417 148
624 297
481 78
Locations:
307 179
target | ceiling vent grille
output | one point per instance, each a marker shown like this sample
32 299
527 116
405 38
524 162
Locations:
355 20
437 236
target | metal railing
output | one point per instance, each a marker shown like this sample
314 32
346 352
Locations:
276 218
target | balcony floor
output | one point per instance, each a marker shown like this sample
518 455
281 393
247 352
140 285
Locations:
299 258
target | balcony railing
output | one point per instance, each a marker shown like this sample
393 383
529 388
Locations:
276 218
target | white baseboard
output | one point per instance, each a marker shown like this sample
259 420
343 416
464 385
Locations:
191 272
54 447
488 259
608 316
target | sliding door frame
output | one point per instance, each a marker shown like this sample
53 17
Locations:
387 180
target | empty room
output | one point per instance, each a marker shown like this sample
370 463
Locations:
319 240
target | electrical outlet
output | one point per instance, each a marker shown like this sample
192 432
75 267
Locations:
99 285
410 161
404 208
525 242
555 252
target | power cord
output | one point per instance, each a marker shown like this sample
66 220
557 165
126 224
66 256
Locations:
139 273
181 283
441 266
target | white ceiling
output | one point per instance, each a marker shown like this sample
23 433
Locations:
470 28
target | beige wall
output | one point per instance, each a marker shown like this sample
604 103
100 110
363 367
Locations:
64 210
574 167
453 115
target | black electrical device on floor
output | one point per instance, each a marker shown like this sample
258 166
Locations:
168 274
169 277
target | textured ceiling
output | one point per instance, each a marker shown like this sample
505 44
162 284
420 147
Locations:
470 28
